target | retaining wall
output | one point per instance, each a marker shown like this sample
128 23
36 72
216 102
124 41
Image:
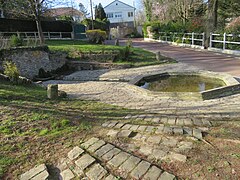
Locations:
30 60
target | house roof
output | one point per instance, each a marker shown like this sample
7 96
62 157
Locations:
64 11
120 2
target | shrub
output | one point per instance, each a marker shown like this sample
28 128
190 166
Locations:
125 53
96 36
10 69
16 41
129 43
98 24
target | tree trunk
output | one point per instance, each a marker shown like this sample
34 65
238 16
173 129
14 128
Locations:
212 20
40 32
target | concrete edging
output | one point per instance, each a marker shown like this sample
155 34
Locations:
232 86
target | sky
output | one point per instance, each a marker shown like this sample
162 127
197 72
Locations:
104 3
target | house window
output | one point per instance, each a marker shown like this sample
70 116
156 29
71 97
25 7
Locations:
118 15
110 15
130 14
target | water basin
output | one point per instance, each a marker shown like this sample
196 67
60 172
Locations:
181 83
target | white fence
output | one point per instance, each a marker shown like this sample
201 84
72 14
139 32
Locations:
194 39
34 35
224 42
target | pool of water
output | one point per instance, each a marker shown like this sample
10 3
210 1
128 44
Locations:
181 83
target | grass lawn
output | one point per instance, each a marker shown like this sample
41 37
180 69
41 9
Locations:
139 57
32 127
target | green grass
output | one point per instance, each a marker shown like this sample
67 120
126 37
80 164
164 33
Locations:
34 129
139 57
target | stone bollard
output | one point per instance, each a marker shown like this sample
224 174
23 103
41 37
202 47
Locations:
116 42
52 91
158 56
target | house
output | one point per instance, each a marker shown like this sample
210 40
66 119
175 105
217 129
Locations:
120 14
58 13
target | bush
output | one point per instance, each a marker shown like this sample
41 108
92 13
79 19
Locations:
10 69
15 41
98 24
96 36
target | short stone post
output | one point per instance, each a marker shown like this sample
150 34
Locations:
52 91
158 56
116 42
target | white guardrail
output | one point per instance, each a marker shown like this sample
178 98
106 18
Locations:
218 42
34 35
193 39
224 40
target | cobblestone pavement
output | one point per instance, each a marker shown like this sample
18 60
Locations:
129 96
164 130
97 159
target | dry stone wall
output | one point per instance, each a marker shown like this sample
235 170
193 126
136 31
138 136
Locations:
30 60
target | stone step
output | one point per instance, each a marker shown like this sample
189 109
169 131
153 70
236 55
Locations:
179 121
39 172
127 130
80 164
124 164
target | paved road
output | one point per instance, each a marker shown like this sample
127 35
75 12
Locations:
203 59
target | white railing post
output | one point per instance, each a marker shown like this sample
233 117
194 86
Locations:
211 38
60 35
49 36
193 38
203 39
224 41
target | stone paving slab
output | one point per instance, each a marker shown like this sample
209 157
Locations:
128 166
90 142
153 173
85 161
103 150
117 160
121 162
34 172
67 174
160 129
43 175
96 146
167 176
86 166
140 170
96 172
75 153
109 155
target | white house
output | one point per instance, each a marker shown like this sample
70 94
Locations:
120 13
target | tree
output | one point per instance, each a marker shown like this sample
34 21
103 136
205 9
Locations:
29 9
212 19
83 10
99 12
148 9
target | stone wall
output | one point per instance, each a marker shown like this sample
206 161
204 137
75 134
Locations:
30 60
